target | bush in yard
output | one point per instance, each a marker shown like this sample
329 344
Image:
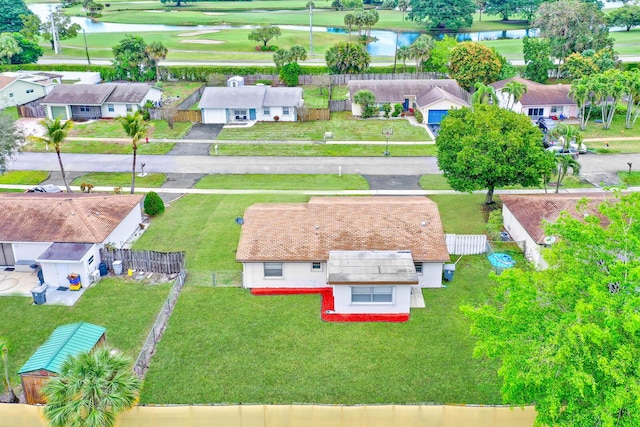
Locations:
419 117
387 109
397 110
289 74
153 204
494 224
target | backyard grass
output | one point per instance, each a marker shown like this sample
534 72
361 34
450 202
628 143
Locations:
323 150
339 92
23 177
344 126
126 309
462 213
176 92
120 179
224 345
284 182
103 147
632 179
315 97
113 129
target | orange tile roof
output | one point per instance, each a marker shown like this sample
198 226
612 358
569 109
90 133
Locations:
308 231
532 211
81 218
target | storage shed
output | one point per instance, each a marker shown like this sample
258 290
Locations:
66 340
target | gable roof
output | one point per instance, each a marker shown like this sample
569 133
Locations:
129 92
309 231
538 94
66 340
532 211
62 217
79 94
250 97
502 83
438 94
398 90
6 81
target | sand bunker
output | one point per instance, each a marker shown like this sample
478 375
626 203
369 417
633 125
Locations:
203 41
197 33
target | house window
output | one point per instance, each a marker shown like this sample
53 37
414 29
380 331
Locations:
129 108
29 90
536 112
418 267
11 95
555 109
371 294
84 109
285 111
90 260
272 269
111 108
316 266
266 111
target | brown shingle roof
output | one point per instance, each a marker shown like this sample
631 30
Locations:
532 211
397 90
308 231
81 218
79 94
6 81
538 94
129 92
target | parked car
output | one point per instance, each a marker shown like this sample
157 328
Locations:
549 142
546 124
558 150
47 188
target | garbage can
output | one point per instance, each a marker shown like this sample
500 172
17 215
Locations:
504 236
39 294
103 269
449 269
117 267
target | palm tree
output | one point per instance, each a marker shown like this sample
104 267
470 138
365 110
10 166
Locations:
483 94
157 51
403 54
298 53
421 49
349 21
91 390
566 162
5 361
583 96
403 5
135 127
55 134
515 90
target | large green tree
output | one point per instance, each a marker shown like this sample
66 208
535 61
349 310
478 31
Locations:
439 60
420 50
10 11
584 97
506 8
472 62
131 59
568 337
537 58
443 14
135 127
9 47
11 139
55 134
265 33
488 147
91 390
30 50
65 28
626 16
347 58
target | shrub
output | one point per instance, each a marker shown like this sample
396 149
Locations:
387 109
289 74
397 110
419 117
153 204
494 224
276 118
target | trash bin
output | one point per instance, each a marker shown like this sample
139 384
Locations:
504 236
449 269
39 294
103 269
117 267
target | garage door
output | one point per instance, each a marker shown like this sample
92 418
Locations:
59 112
436 116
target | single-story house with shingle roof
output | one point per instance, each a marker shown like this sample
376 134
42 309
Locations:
433 98
64 232
539 100
65 341
108 100
524 217
250 103
368 251
18 88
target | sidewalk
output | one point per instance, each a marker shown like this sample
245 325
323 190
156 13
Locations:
239 141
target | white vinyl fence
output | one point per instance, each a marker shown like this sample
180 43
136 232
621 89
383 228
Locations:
466 244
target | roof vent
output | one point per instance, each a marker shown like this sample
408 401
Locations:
423 223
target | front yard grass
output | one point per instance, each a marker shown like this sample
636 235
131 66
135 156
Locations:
126 309
113 129
102 147
284 182
439 182
120 179
631 179
323 150
23 177
224 345
343 125
617 129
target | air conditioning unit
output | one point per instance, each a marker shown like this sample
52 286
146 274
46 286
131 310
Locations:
95 276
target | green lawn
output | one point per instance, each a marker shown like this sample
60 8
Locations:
462 213
438 182
120 179
284 182
113 129
102 147
11 112
23 177
631 179
315 97
126 309
178 91
344 126
324 150
617 129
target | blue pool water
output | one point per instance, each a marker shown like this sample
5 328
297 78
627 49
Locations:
501 260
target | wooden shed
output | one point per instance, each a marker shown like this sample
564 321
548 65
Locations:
66 340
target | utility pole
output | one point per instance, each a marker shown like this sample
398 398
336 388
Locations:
310 4
54 33
86 48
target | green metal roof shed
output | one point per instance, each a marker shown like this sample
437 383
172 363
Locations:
66 340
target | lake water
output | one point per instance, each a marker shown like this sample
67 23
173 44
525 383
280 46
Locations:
384 45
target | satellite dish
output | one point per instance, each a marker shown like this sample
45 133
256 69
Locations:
549 240
239 220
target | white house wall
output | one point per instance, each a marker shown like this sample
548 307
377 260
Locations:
126 228
294 275
25 253
16 93
431 276
55 272
401 302
214 115
524 241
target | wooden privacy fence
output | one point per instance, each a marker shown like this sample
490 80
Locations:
194 116
191 99
314 114
31 109
343 79
339 105
151 261
466 244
